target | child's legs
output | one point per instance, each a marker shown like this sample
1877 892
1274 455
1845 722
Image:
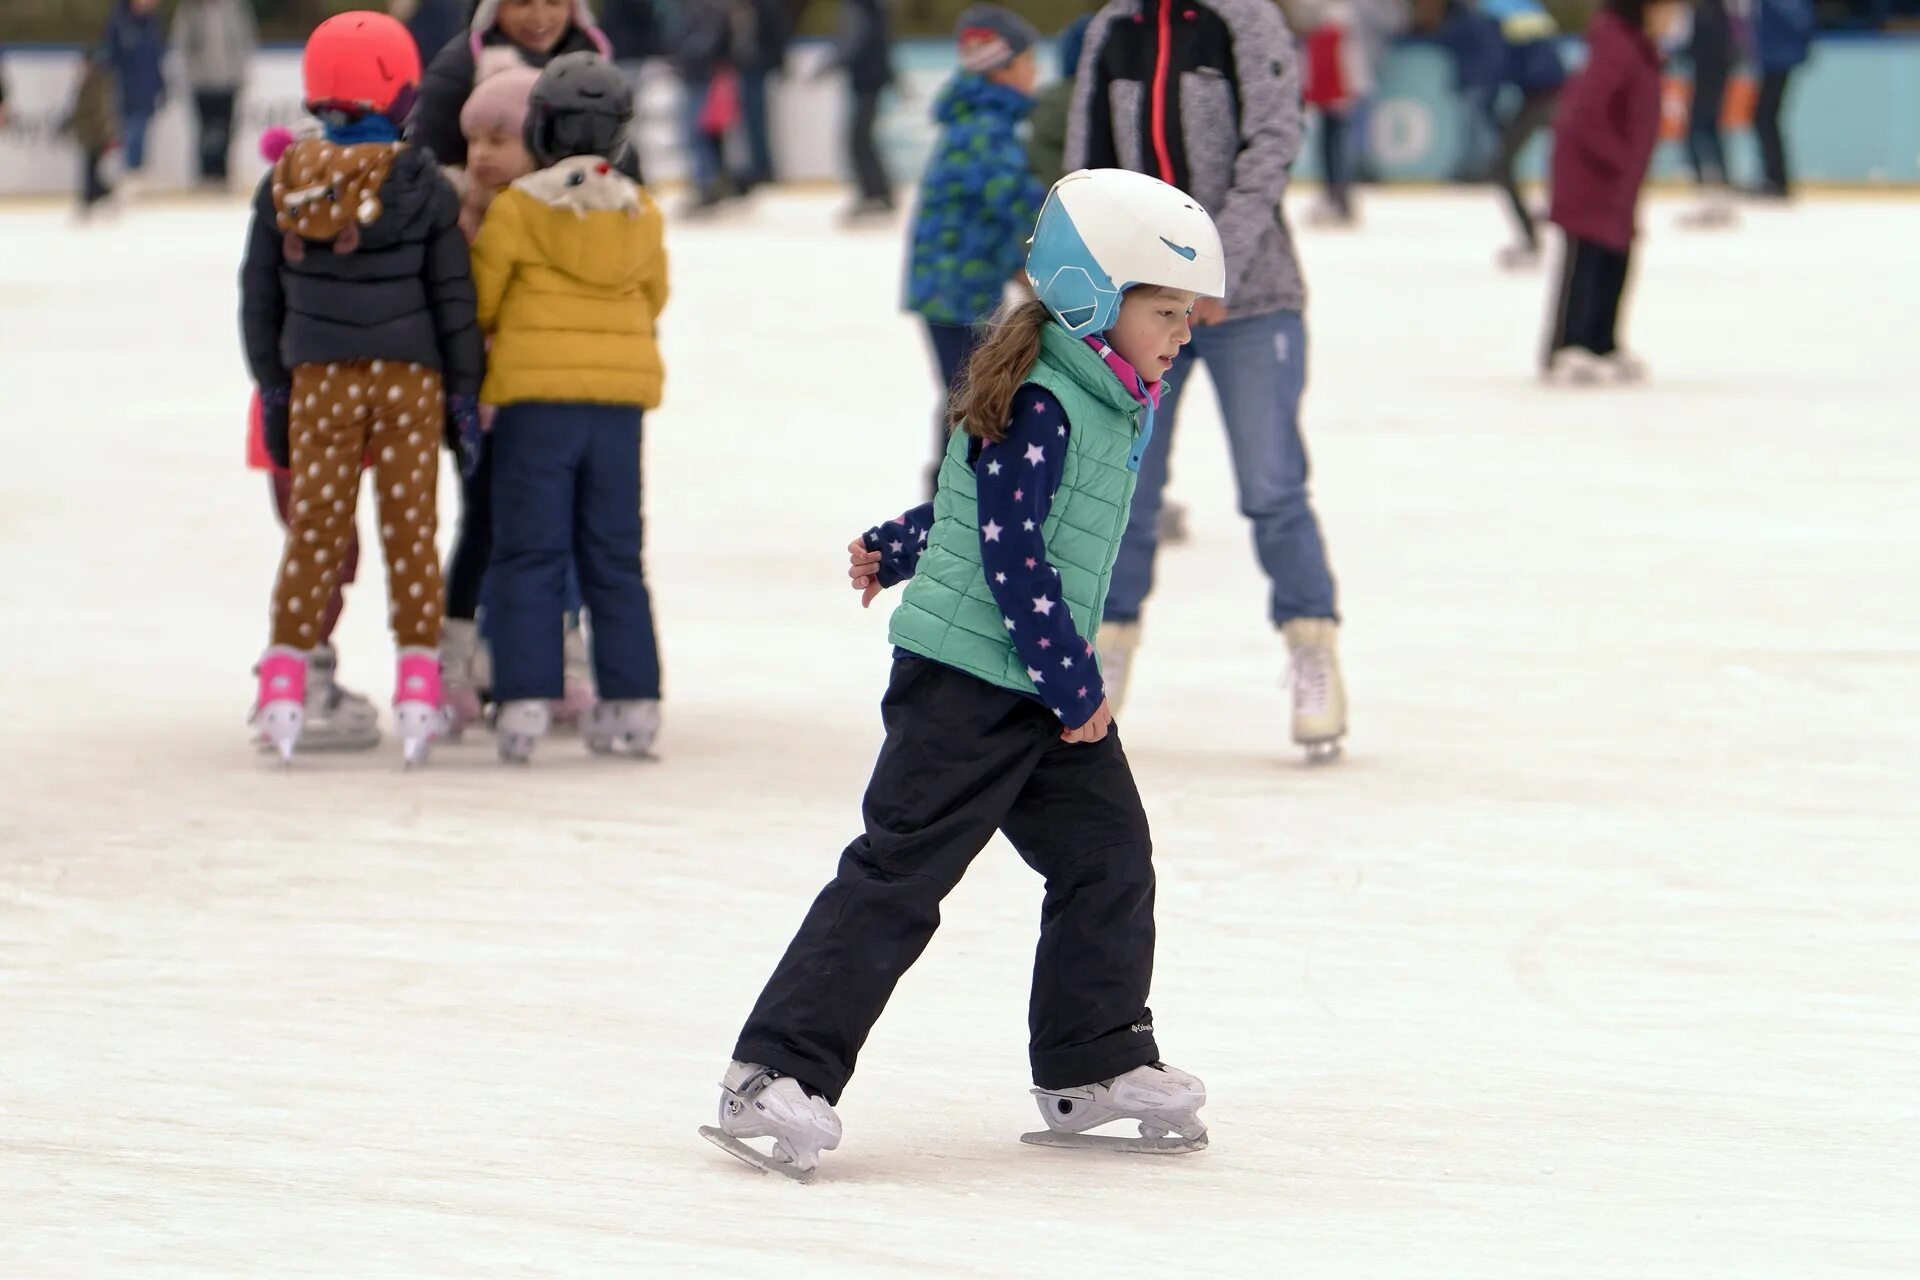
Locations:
958 752
607 533
1259 368
953 346
408 408
93 182
133 139
536 457
324 484
1611 290
1079 823
472 540
280 484
1334 157
703 158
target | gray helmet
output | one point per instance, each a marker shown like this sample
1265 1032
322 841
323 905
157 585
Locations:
580 106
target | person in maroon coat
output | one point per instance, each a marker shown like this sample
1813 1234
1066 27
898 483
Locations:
1604 134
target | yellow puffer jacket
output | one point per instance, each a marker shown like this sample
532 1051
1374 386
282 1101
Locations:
571 274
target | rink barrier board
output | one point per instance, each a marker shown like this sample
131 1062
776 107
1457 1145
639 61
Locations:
1853 118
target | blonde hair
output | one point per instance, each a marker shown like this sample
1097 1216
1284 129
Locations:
982 406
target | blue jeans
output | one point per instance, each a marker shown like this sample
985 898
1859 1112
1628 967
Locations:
753 114
133 140
1259 366
566 487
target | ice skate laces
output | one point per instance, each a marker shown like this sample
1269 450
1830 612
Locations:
1310 676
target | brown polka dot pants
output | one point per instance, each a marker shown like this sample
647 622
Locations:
388 415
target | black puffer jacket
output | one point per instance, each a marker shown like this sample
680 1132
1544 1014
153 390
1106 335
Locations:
403 292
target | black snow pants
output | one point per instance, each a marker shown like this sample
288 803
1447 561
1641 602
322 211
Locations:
961 759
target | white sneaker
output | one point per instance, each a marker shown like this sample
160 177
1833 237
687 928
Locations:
1116 643
622 726
757 1102
1319 695
1165 1101
518 727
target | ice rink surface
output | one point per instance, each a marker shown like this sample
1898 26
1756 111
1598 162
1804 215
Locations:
1599 957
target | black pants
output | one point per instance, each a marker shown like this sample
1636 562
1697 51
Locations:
473 540
953 346
1588 310
1705 149
1334 161
869 174
1534 113
93 183
962 759
1766 124
215 109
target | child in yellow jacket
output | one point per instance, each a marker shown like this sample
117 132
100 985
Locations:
571 275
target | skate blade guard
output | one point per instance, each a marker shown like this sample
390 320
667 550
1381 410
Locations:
758 1159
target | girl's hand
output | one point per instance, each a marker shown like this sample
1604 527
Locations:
864 569
1094 729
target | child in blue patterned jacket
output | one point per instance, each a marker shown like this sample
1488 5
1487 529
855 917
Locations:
978 198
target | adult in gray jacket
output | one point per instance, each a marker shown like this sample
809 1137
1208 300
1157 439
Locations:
1205 94
216 40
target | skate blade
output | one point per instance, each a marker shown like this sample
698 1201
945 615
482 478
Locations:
1167 1146
758 1159
1322 753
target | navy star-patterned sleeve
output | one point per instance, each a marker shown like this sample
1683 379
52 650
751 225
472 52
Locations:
900 543
1017 478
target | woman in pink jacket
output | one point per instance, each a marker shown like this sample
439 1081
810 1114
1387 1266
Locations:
1604 135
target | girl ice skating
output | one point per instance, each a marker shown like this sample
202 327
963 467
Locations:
358 315
996 714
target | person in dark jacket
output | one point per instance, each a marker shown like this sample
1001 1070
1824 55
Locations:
431 23
760 57
359 319
1783 37
136 48
1205 95
94 124
1047 126
1532 66
1712 51
1604 135
864 49
703 57
537 31
217 40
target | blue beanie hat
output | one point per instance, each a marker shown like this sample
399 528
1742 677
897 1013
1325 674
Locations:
991 38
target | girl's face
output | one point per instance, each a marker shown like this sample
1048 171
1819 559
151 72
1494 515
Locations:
1152 328
496 157
535 25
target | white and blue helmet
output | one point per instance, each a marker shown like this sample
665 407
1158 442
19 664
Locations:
1103 231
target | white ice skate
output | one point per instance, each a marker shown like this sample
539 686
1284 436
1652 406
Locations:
1625 368
279 709
338 719
1577 367
459 654
756 1102
1517 257
622 726
1165 1102
417 714
1117 642
1319 696
518 727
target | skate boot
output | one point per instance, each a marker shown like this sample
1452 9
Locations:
1625 368
338 719
417 716
279 709
1576 367
623 726
1117 642
1164 1100
756 1102
459 644
1319 697
518 727
577 699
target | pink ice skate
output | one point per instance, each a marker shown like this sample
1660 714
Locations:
417 713
280 708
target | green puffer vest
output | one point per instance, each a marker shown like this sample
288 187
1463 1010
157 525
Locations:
947 612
